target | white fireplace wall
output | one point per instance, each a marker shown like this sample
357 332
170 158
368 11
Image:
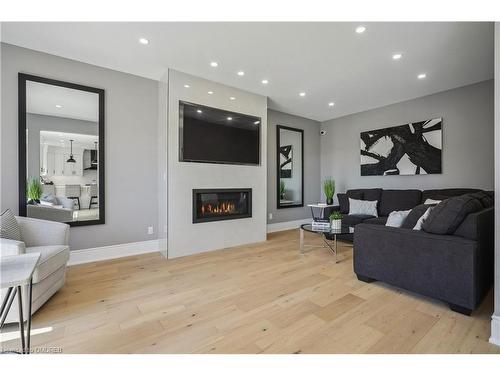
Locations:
184 237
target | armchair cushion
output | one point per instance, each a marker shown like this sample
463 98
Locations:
9 228
11 247
51 259
36 232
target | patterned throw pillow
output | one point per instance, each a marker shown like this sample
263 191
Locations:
9 227
360 207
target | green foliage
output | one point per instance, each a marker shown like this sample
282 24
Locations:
34 189
282 189
336 215
329 188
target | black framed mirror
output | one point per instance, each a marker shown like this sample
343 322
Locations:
61 151
290 167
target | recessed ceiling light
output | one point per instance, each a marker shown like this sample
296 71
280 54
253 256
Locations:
422 76
302 94
229 118
214 64
210 92
360 29
232 98
331 104
397 56
256 122
187 86
143 41
199 111
58 106
265 81
241 73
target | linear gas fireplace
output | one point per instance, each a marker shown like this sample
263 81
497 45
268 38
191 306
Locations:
221 204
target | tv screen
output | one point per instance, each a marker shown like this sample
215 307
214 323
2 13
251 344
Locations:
211 135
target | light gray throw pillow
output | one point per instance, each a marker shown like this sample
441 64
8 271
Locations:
361 207
9 227
424 217
396 218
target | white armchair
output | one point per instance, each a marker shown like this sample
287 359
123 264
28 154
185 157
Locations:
50 239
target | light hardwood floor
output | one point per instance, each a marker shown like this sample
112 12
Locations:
263 298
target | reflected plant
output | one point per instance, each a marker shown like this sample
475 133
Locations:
34 189
282 189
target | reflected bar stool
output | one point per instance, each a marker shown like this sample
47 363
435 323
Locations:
93 194
73 192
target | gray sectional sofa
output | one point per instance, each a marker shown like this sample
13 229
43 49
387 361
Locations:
454 267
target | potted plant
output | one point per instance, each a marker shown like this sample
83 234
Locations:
329 189
336 220
34 190
282 189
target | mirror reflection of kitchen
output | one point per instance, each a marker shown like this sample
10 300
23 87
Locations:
62 153
290 159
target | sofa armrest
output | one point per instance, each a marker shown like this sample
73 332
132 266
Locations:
36 232
11 247
439 266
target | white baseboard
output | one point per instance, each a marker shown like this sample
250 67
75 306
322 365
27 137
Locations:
97 254
495 330
287 225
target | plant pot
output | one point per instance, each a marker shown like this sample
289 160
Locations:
329 201
336 224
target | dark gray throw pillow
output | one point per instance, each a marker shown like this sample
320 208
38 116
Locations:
343 203
447 216
9 227
415 214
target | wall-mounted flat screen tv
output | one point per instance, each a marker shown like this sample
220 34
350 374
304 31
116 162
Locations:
212 135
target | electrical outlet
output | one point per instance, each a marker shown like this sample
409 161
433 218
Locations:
150 230
270 215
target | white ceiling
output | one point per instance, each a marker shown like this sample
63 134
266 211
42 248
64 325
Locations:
60 101
328 61
58 139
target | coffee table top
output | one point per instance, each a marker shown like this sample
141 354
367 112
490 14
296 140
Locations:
344 229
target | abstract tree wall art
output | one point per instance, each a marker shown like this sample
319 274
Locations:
411 149
286 160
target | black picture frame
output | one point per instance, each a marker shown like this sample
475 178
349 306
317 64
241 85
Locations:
22 79
278 170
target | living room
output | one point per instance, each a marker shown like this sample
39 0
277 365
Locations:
239 188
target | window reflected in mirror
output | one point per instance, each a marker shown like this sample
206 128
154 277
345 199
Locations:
290 171
62 153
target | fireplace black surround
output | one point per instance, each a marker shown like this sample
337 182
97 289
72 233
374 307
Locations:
221 204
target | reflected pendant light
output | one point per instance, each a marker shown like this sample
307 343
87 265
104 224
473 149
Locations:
71 159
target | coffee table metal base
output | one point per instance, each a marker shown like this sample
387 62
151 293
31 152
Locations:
330 244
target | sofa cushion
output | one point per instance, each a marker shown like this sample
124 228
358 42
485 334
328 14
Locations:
51 259
344 199
376 220
398 200
372 194
447 216
441 194
415 214
9 227
352 220
485 199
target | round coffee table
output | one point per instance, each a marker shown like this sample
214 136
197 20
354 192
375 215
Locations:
328 235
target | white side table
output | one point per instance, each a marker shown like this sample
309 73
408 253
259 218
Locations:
16 271
321 211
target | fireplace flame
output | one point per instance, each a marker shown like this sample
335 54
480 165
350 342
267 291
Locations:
219 208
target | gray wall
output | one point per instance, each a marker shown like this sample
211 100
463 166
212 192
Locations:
312 181
467 114
131 144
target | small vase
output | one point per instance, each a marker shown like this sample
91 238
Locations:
336 224
329 201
